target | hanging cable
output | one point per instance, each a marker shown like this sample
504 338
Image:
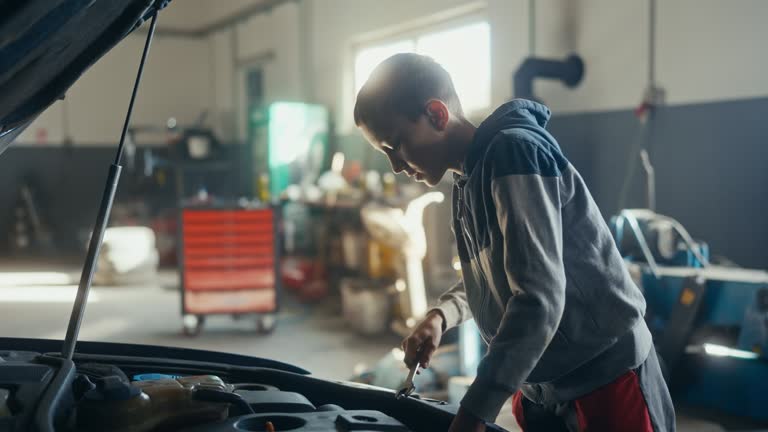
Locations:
652 44
644 113
531 28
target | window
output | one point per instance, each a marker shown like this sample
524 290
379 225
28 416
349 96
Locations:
464 51
367 59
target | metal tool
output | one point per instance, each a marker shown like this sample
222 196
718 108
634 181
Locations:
408 386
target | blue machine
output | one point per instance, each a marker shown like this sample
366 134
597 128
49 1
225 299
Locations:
710 323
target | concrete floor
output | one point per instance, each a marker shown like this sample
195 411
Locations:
36 301
314 338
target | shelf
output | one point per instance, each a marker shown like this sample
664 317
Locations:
215 165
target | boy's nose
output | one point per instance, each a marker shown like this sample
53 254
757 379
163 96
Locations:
398 165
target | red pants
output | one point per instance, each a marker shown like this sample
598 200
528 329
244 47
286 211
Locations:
637 401
618 406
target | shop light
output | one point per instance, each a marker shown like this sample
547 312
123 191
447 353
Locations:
724 351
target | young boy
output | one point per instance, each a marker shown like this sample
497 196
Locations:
541 274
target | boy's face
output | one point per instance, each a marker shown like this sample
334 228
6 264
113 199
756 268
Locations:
415 147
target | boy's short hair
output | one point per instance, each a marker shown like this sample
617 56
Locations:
403 84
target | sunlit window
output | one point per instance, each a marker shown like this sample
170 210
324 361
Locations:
368 58
465 52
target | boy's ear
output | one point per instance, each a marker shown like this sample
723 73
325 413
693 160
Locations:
438 114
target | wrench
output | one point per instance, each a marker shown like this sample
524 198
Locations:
408 387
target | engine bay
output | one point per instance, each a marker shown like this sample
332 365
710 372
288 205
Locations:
95 392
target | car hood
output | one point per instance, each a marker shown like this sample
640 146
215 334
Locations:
46 45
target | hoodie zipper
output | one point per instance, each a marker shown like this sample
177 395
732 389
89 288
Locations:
461 211
471 243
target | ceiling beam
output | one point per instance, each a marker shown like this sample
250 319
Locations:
221 24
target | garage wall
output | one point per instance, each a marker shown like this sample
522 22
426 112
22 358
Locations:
701 57
269 40
709 175
306 47
307 50
176 83
705 50
707 143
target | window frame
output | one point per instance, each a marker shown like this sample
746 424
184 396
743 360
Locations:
413 32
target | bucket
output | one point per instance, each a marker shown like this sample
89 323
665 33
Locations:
365 306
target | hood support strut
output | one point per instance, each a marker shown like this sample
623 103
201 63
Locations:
108 197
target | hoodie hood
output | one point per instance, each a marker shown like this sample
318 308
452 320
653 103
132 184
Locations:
518 113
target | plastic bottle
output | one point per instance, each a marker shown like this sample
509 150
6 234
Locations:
149 405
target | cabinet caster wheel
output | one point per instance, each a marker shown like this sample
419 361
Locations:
192 325
265 324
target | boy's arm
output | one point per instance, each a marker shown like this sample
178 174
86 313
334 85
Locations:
453 306
529 217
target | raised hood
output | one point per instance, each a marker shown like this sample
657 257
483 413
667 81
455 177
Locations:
46 45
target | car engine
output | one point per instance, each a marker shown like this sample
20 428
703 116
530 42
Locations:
45 392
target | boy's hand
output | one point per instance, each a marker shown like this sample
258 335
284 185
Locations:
466 422
424 340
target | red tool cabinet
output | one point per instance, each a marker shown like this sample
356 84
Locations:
228 265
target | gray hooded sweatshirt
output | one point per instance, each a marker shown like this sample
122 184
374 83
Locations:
541 274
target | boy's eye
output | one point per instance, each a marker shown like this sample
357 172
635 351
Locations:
393 145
